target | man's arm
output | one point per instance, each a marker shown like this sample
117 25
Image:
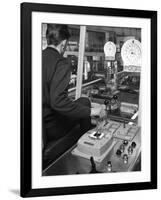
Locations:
59 99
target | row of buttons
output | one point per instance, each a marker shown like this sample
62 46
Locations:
122 149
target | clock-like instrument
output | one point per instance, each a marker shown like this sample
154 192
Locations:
131 55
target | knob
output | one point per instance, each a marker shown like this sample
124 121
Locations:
122 148
133 145
106 102
115 97
109 166
125 158
125 142
118 152
130 150
109 163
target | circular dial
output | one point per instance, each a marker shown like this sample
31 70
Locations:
131 53
110 49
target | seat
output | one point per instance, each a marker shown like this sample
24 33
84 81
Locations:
53 150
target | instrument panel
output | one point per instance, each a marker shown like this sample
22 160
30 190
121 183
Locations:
110 50
114 146
131 55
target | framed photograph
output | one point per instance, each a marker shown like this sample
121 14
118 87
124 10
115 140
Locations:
88 99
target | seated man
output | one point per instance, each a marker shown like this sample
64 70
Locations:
60 113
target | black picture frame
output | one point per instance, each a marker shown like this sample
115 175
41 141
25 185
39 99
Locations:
26 103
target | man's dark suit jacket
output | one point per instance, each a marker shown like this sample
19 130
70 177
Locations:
56 73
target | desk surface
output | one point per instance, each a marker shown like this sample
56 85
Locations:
71 164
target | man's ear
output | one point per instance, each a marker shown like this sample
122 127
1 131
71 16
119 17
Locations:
64 42
63 46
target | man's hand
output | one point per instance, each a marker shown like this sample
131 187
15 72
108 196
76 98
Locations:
97 110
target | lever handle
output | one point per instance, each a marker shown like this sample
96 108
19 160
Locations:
93 165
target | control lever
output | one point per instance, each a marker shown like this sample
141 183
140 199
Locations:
115 97
93 166
121 119
106 103
124 124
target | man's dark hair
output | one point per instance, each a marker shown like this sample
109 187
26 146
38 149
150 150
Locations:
56 33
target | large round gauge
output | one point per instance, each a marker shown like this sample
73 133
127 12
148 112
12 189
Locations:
131 53
110 49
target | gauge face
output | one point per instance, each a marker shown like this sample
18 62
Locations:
131 53
110 49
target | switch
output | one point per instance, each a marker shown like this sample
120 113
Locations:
109 166
124 125
122 148
133 145
125 158
93 166
118 152
115 97
130 150
125 142
106 102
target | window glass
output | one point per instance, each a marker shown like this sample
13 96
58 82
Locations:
108 79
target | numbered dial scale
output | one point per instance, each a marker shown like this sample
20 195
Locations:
131 55
110 50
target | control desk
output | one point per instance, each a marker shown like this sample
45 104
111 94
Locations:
123 140
110 147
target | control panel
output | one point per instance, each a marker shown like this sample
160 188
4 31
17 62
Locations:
126 132
113 145
97 142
